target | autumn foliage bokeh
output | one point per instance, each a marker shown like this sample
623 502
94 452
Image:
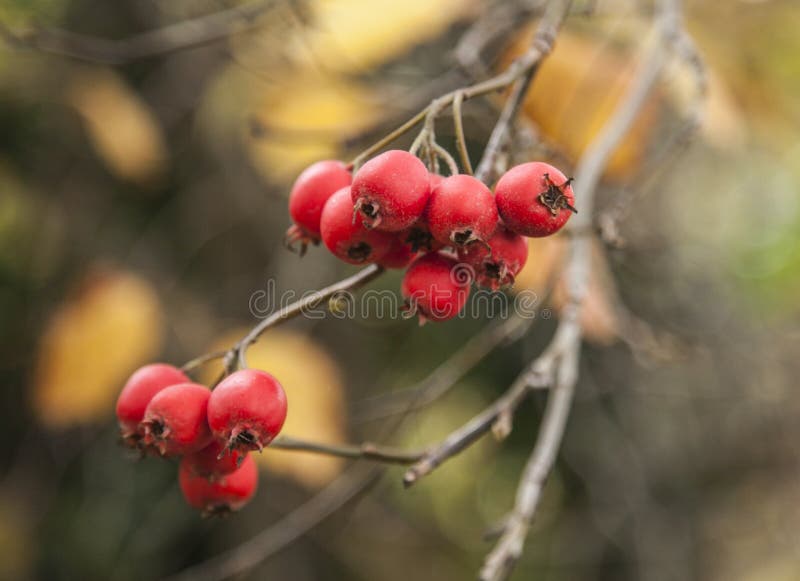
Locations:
141 207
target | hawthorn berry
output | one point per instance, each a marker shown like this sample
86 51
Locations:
534 199
461 210
390 190
145 382
344 234
214 460
313 187
247 410
228 493
498 263
175 420
435 287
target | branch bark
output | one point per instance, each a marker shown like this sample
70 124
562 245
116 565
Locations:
502 559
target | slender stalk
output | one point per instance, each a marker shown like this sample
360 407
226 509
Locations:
367 450
297 308
458 127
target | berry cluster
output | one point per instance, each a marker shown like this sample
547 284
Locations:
162 412
445 231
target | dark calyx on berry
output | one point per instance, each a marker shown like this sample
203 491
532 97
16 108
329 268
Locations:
419 239
359 252
553 197
499 273
295 236
216 510
369 210
462 237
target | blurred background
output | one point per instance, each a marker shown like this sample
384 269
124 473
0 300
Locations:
143 202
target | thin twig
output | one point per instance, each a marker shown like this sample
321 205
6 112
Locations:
458 127
183 35
500 562
462 438
445 376
442 153
367 450
541 46
297 308
198 361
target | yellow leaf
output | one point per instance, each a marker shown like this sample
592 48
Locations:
353 35
120 125
575 93
306 119
92 343
313 385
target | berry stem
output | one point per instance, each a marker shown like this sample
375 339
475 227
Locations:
201 360
520 71
458 125
367 450
237 352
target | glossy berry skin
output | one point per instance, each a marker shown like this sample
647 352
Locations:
344 234
436 287
145 383
390 191
175 420
401 253
534 199
497 263
313 187
214 460
222 495
247 410
461 211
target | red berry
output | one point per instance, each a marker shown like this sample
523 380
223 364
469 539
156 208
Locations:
435 179
226 494
175 420
401 252
435 287
310 191
461 211
345 235
534 199
214 460
247 410
390 191
497 264
146 382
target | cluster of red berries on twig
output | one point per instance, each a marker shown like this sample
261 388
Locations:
445 231
162 412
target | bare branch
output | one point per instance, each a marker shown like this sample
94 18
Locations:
297 308
445 376
506 553
543 40
183 35
500 562
367 451
541 46
468 433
